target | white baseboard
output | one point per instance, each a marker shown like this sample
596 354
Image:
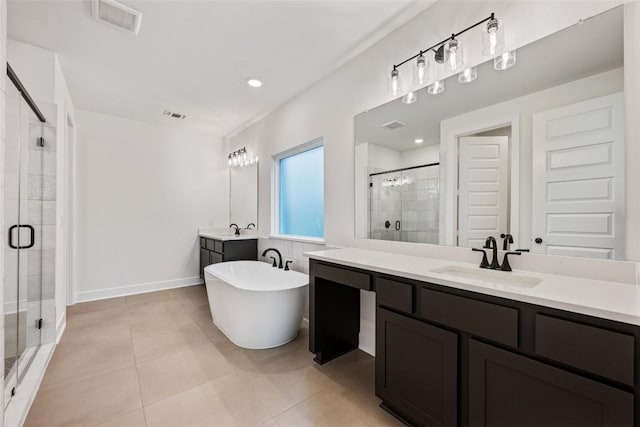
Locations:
140 288
61 326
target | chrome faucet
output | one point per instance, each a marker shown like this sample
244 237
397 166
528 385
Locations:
277 253
491 243
237 232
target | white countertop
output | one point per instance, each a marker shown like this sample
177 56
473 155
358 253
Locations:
607 300
225 237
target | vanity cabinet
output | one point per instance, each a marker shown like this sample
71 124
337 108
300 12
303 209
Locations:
506 389
213 251
416 369
449 357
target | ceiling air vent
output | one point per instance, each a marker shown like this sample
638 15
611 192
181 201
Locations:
117 15
393 124
173 115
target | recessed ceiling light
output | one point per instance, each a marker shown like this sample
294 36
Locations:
418 140
254 82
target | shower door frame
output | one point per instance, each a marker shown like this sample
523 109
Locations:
29 352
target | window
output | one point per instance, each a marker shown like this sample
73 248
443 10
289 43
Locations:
300 191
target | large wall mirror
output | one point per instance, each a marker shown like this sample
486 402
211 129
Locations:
243 197
535 152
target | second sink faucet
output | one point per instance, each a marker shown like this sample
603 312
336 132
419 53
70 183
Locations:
237 232
277 253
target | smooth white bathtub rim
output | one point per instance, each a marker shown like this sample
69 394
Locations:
255 305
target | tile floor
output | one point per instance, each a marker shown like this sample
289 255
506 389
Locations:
156 359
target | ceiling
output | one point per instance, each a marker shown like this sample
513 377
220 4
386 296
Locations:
194 57
595 46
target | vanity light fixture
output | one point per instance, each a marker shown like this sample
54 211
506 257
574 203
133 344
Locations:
241 158
436 87
410 98
421 70
450 52
504 61
394 82
468 75
493 37
453 54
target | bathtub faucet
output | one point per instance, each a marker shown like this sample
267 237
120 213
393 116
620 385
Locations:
237 233
277 252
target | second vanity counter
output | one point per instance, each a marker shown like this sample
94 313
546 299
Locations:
608 300
460 346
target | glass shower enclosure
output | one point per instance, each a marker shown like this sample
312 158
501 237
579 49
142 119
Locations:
27 198
404 204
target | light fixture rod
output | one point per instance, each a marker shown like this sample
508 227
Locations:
453 36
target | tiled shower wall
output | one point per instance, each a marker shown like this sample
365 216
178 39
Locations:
42 215
412 200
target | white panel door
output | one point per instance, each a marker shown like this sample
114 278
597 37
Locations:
483 204
578 179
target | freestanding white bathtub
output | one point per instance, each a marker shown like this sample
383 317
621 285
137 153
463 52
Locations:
256 305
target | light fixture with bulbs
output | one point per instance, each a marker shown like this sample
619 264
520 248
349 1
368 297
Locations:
409 98
436 87
241 158
418 140
468 75
253 82
504 61
450 53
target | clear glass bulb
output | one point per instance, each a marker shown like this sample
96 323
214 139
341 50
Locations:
493 38
453 55
436 87
504 61
394 82
410 98
421 70
468 75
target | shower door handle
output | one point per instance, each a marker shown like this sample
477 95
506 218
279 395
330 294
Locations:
32 237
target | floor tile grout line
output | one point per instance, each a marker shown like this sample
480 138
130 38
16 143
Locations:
135 359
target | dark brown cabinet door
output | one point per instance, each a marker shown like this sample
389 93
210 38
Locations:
509 390
416 369
204 260
214 257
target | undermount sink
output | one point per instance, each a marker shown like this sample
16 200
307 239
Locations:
490 277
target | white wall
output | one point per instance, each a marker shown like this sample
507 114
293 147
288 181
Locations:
142 192
328 108
421 156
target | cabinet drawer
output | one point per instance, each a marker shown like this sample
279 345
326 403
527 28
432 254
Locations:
203 242
344 277
209 244
396 295
218 246
600 351
483 319
215 257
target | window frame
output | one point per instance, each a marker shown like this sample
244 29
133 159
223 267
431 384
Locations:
275 191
